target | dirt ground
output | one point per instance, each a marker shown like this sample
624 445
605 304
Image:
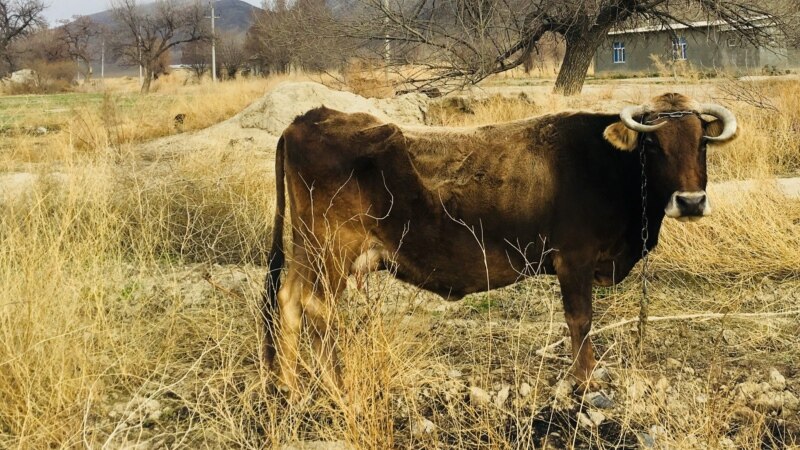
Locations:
476 375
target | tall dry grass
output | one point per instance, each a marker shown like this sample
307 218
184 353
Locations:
110 118
129 310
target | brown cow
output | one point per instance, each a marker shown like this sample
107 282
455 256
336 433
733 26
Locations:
458 211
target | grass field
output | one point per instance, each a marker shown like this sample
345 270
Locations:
129 303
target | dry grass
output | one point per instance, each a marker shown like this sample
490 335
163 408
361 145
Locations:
116 117
129 301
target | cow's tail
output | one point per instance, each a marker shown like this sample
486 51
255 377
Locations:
277 257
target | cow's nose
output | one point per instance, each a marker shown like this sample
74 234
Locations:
690 202
687 205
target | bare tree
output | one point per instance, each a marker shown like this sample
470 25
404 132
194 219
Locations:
43 51
465 41
306 35
197 56
232 55
145 35
18 18
266 39
81 38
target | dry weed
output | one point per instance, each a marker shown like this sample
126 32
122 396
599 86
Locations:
121 324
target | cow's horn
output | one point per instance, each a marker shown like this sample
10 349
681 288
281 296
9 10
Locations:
627 118
723 114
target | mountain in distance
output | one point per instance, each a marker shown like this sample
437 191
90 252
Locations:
235 16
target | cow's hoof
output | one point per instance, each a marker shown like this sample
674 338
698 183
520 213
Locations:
584 386
584 381
285 392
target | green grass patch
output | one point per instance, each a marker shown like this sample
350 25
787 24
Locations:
53 109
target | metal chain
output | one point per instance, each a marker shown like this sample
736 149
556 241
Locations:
674 115
644 302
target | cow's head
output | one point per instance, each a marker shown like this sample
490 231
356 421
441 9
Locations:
674 135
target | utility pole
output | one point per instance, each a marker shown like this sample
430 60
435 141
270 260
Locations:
103 60
387 48
139 45
213 43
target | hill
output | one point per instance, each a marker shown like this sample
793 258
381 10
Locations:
235 16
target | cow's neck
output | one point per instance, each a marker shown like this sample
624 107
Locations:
631 251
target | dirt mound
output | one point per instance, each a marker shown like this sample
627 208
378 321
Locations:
257 128
280 106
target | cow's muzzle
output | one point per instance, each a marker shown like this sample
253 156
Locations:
688 205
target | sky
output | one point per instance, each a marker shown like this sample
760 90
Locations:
65 9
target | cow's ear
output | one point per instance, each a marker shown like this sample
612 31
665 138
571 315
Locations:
713 128
620 136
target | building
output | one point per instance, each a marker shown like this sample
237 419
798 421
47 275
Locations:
703 45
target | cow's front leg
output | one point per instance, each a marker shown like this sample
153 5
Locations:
576 291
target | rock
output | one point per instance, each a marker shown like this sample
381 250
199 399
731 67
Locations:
599 400
636 389
790 402
596 417
730 337
585 421
748 390
525 390
478 397
657 430
152 408
24 76
563 391
646 440
422 427
40 131
502 396
453 373
768 401
688 370
726 443
662 384
746 415
673 363
701 398
776 380
602 374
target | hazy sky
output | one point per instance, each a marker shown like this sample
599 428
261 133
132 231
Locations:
64 9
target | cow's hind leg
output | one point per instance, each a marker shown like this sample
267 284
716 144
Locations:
576 291
320 318
288 332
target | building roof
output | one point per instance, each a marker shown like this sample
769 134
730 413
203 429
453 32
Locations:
682 26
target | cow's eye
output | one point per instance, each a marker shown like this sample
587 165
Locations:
650 144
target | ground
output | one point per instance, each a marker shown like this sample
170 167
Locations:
131 274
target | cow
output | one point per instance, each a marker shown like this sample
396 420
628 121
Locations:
462 210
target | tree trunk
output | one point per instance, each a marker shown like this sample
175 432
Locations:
148 78
580 50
